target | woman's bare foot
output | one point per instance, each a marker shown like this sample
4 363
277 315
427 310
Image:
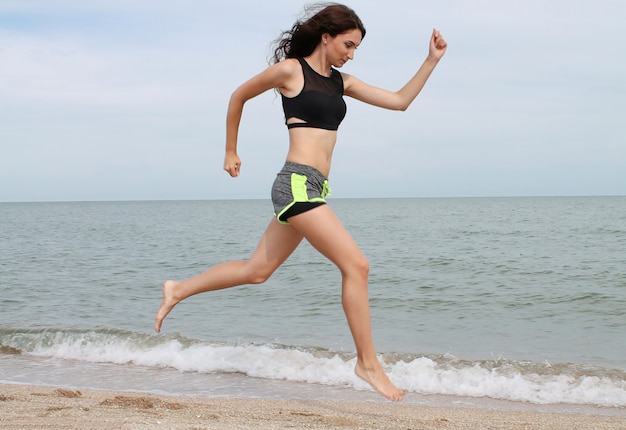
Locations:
378 379
167 304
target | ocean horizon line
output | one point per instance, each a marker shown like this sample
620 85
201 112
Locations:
478 197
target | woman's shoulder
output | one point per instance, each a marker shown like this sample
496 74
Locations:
283 75
348 79
285 69
289 65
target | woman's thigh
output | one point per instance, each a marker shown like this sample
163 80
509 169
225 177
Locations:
276 245
323 229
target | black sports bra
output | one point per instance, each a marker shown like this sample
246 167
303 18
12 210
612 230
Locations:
320 104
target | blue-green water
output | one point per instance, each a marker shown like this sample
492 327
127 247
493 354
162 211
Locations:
521 299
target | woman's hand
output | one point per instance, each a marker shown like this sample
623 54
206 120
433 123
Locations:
232 164
437 45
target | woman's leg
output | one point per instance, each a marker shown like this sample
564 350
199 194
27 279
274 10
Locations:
322 228
276 244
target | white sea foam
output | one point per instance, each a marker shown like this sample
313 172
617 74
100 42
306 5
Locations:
427 376
518 381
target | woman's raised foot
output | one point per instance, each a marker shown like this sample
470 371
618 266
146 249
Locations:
167 304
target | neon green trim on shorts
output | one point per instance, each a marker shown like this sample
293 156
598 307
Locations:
299 192
298 188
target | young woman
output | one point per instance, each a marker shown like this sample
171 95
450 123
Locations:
305 73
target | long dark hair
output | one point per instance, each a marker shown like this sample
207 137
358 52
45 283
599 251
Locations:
306 33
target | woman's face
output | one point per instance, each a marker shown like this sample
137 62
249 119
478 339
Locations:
340 49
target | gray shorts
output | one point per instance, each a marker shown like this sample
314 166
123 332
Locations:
297 189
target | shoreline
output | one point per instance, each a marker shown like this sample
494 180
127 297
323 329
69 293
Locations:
36 407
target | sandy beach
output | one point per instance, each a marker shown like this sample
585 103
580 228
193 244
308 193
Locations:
34 407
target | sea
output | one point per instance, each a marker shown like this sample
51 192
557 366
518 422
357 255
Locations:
488 302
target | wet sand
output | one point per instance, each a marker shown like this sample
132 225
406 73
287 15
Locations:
33 407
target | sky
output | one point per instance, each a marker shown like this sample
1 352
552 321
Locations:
126 100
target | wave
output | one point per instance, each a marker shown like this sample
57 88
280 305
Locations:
541 383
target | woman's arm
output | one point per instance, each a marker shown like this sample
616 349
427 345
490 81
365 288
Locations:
399 100
279 76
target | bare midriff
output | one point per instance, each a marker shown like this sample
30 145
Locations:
312 147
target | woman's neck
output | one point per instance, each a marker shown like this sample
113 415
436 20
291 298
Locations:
318 62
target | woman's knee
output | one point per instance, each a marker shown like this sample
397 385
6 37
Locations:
258 278
257 275
358 266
